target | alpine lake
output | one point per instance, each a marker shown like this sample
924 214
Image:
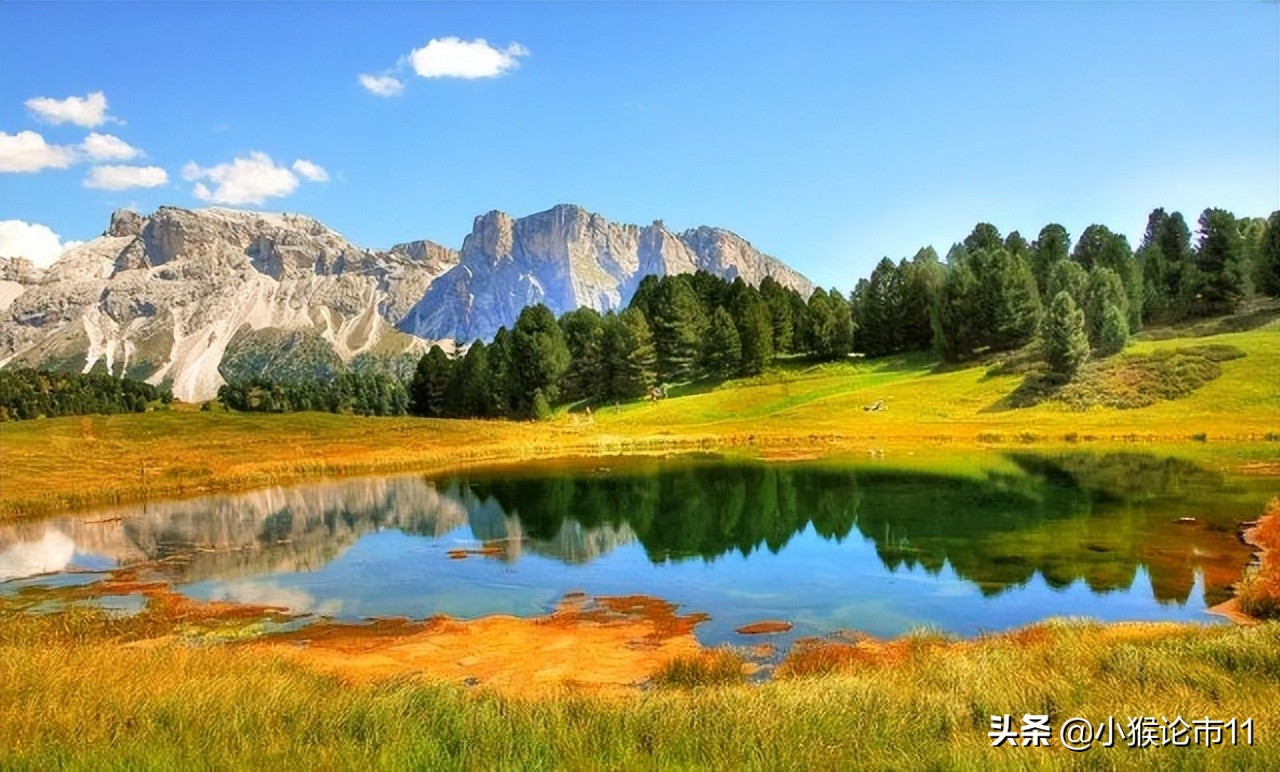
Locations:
964 546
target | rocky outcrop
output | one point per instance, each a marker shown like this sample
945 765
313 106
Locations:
567 258
161 298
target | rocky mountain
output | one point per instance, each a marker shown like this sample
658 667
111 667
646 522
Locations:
190 298
162 298
567 258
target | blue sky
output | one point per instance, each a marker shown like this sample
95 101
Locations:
829 135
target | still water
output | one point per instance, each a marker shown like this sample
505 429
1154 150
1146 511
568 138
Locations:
963 547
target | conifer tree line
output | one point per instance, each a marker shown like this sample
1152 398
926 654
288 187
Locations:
992 293
355 392
27 393
676 329
1000 294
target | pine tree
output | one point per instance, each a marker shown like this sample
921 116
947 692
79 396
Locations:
643 297
429 384
831 325
1014 244
1099 247
1155 298
1115 331
502 373
539 407
582 331
722 354
1067 276
713 291
921 280
1105 290
755 329
1017 313
1174 240
954 314
880 312
627 357
1066 346
985 237
801 335
1268 272
539 358
678 323
1220 276
473 393
780 316
1051 247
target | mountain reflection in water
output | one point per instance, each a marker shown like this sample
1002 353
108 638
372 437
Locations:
1099 520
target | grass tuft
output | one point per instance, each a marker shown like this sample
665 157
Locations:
713 667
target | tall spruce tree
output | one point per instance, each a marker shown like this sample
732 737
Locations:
429 384
1115 331
922 278
722 351
1268 274
1068 276
582 329
1065 344
1051 247
627 357
1017 313
1105 291
678 323
880 323
984 237
780 313
502 376
1155 300
474 392
1174 240
954 315
830 324
1099 247
1221 280
1014 244
539 357
755 328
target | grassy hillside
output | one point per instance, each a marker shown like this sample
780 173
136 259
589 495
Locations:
794 409
921 400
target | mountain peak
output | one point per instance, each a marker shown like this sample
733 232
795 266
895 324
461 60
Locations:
566 258
190 297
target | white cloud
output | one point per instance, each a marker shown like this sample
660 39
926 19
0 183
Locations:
86 111
125 177
27 151
456 58
250 180
382 85
104 147
312 172
38 243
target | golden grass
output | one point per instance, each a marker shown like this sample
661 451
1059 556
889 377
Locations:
77 697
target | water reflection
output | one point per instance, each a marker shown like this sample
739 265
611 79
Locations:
1107 522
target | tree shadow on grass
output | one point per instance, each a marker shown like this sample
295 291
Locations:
1036 387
